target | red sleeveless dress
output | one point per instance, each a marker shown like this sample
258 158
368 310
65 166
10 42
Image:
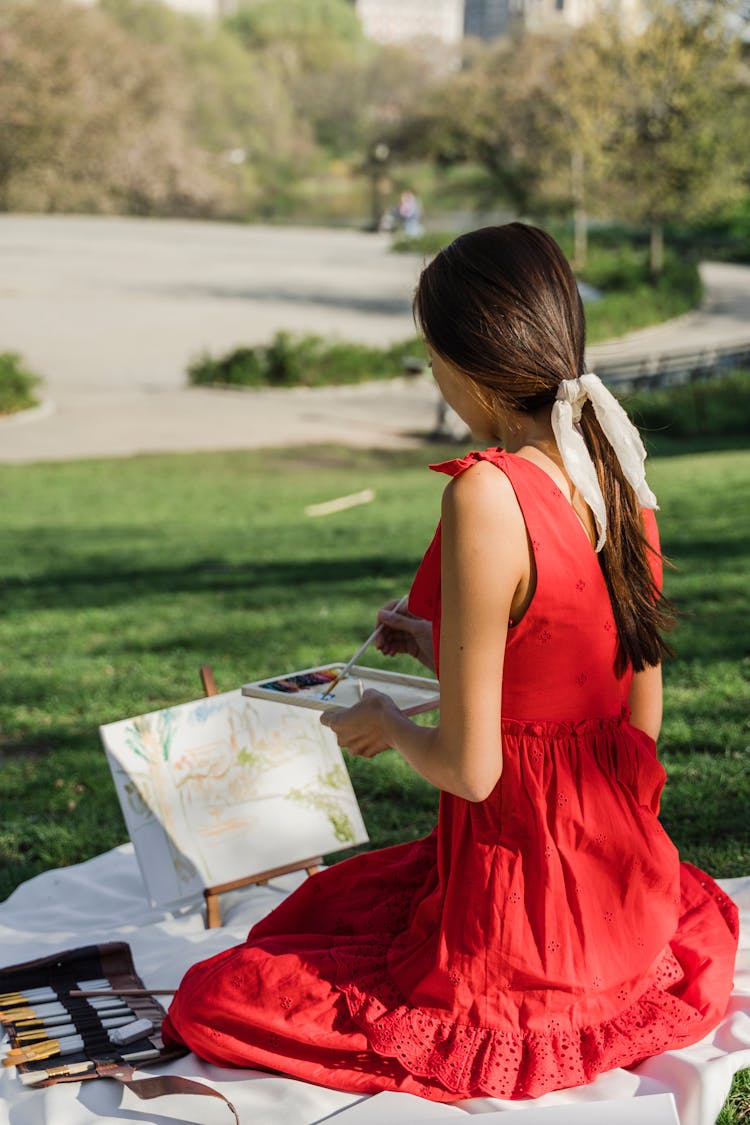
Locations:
531 941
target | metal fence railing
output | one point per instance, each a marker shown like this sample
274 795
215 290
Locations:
672 368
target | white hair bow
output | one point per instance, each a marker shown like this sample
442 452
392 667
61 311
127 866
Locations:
620 433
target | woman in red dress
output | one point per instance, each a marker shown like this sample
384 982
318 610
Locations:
546 930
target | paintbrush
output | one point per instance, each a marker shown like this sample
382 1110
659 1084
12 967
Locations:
59 1031
35 1052
29 1024
123 992
73 1044
34 1077
40 995
363 648
39 1011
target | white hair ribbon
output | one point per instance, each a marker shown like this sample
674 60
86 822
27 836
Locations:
620 433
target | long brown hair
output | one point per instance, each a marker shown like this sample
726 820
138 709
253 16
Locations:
502 306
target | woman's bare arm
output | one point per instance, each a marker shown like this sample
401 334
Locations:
645 701
485 558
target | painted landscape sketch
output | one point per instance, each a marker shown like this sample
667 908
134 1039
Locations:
226 787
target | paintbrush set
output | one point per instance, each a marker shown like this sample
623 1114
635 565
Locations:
67 1015
84 1014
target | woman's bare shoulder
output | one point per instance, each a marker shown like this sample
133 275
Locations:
482 489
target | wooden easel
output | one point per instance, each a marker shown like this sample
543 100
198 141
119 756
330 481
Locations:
211 894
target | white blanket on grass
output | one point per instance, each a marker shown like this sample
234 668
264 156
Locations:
103 900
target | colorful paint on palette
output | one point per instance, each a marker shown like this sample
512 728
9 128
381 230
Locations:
293 684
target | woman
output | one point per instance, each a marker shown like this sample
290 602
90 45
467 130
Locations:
546 930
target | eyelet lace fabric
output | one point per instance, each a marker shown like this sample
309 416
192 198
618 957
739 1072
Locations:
469 1061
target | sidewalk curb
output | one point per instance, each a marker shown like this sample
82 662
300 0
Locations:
46 408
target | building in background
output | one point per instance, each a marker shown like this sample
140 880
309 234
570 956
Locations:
546 15
205 7
490 19
397 21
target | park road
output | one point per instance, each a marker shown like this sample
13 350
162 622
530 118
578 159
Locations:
111 310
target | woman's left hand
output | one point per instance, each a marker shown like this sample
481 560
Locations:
363 728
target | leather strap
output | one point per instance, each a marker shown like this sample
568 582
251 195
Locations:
160 1084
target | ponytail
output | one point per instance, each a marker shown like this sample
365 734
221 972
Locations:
627 559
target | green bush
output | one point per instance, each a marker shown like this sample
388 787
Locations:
431 242
630 298
303 361
17 384
240 367
615 268
705 408
725 236
625 268
287 359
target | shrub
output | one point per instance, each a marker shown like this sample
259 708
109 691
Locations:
704 408
431 242
241 367
17 384
615 268
309 361
631 299
288 359
625 268
725 236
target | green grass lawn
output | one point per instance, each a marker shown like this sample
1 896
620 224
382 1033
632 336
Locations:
120 578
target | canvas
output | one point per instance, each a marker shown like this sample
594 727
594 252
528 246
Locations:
228 786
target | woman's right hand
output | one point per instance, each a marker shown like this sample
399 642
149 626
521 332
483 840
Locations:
402 632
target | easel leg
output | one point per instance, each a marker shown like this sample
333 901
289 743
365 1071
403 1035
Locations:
208 681
211 894
213 910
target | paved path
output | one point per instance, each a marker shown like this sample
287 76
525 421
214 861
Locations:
111 310
723 318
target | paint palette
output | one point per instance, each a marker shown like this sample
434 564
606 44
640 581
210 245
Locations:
411 694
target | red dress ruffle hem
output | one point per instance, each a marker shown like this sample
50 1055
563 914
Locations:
533 940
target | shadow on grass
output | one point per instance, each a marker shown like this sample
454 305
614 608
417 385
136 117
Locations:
661 444
684 547
704 810
85 584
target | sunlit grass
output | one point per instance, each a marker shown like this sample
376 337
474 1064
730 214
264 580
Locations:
120 578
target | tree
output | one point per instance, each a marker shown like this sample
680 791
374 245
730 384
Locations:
310 26
34 88
92 119
318 55
675 115
498 112
581 128
240 110
352 94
